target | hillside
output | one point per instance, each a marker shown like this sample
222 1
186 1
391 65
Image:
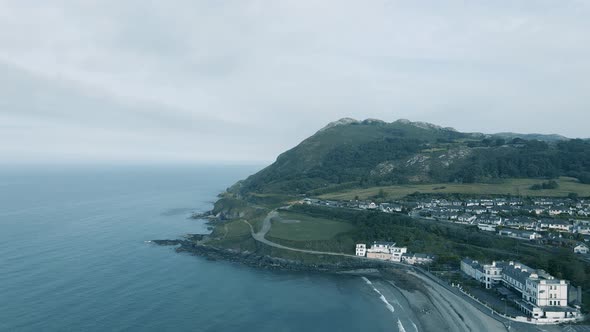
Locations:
350 154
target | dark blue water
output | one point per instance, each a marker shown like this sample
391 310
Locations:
73 257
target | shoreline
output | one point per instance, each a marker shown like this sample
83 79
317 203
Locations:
426 304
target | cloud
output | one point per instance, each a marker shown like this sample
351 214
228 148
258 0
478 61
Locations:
245 80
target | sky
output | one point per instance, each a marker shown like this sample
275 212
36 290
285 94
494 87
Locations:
242 81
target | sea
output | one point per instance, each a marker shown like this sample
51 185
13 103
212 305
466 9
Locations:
75 256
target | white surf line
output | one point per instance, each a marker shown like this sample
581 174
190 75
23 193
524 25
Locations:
414 325
383 299
400 326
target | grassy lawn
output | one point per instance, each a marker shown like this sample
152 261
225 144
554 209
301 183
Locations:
508 186
300 227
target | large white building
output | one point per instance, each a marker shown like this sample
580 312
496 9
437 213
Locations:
542 296
386 251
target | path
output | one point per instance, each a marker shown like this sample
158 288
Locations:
266 224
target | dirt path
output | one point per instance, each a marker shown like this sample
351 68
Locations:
266 224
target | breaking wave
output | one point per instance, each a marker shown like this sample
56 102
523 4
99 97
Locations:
383 299
400 326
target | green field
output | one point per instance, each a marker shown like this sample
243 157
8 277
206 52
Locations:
519 187
300 227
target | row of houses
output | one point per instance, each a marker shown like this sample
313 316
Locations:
389 251
485 213
538 294
456 210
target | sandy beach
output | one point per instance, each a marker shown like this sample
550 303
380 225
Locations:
434 307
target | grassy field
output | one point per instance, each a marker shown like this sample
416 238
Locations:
508 186
300 227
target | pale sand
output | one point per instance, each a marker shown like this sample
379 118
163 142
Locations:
438 309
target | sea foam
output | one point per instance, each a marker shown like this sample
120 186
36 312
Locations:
387 304
400 326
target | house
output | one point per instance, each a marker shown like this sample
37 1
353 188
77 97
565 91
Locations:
558 211
361 249
386 251
488 274
397 253
534 209
581 248
520 235
556 224
417 259
543 201
489 219
520 222
476 210
487 227
467 218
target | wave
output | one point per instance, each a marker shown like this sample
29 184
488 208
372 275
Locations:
387 304
414 325
400 326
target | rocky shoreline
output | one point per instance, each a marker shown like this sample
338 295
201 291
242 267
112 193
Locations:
194 246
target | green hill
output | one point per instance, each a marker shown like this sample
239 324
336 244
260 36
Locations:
352 154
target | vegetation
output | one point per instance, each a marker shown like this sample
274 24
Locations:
545 185
507 187
301 227
374 153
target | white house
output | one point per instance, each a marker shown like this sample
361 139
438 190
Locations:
556 224
361 249
487 274
386 251
581 248
417 259
397 253
466 218
487 227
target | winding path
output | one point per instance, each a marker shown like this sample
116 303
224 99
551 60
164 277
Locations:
266 224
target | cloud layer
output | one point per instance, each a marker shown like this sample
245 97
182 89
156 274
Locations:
245 80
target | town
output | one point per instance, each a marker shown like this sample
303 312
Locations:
551 221
539 297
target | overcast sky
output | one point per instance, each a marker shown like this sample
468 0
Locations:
235 81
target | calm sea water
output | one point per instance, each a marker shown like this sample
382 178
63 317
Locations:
73 257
